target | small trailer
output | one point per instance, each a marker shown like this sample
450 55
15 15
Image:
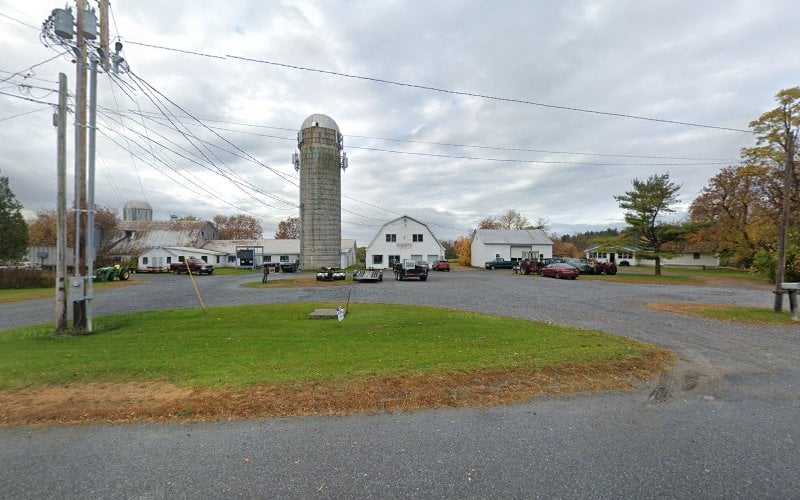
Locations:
368 275
331 274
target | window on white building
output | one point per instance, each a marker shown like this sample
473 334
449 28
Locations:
391 238
377 259
417 238
144 260
284 258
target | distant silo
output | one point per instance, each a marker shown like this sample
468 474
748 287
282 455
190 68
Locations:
137 210
320 163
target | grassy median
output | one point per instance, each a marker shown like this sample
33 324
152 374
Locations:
381 357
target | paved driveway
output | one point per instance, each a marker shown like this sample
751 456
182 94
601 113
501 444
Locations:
724 423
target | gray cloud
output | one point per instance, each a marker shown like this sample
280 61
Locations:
711 63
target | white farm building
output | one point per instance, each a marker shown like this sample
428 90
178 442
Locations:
404 238
509 244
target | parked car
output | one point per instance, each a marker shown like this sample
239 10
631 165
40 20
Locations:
560 270
499 264
441 265
583 265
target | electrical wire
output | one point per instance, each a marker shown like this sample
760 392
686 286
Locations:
23 114
706 161
446 91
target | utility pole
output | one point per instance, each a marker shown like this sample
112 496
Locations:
788 174
78 282
60 312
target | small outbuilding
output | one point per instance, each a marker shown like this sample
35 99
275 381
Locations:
509 244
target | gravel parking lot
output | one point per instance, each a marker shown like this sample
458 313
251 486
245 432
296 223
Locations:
723 423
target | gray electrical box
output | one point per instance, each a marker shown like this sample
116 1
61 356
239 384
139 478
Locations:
76 288
63 23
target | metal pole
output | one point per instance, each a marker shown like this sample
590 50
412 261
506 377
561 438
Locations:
60 312
90 245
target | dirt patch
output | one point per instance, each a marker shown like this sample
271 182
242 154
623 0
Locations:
161 402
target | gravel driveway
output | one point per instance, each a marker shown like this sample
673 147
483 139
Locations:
723 423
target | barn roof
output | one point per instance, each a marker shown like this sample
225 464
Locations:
513 237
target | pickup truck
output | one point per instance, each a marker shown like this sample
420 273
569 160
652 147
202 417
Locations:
410 269
197 266
499 264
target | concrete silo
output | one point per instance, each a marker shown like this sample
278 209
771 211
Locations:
137 210
320 163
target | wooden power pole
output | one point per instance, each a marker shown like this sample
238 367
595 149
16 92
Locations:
788 175
78 282
60 312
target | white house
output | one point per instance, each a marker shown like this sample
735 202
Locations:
404 238
160 258
509 244
685 255
615 255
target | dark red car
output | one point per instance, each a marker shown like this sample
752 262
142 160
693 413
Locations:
560 270
441 265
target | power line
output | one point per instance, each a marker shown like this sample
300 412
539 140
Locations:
37 28
23 114
33 66
470 146
447 91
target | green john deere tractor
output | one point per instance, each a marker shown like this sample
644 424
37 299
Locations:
111 273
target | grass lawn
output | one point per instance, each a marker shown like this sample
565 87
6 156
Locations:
678 276
751 315
271 360
277 344
16 294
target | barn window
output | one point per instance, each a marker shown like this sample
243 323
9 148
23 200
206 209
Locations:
144 260
377 259
696 255
391 237
417 238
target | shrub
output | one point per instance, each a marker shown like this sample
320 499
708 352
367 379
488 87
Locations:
26 278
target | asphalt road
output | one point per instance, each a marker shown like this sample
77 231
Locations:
723 424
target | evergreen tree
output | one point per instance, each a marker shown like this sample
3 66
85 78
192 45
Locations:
13 230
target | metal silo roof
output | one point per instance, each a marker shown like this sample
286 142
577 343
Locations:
319 120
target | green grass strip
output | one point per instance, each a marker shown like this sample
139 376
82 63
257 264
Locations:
278 344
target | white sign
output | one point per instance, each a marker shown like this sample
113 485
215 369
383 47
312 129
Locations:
340 313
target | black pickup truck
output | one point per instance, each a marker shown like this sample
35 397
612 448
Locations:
409 269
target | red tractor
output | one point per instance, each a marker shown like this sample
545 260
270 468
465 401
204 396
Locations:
604 268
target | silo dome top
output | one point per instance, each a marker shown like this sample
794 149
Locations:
319 120
138 205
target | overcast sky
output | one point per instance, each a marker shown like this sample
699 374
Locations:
539 131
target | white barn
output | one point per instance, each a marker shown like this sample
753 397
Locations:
404 238
509 244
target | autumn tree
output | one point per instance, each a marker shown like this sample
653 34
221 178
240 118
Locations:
776 133
565 249
237 227
738 220
13 230
645 206
42 230
463 246
288 229
512 219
